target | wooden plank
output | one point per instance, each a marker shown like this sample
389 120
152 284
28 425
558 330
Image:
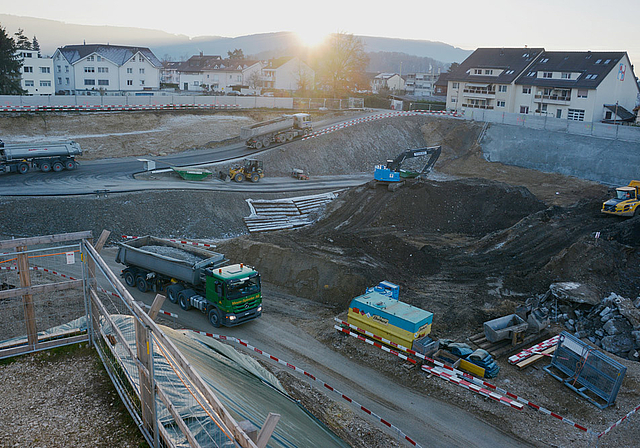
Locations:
267 429
102 239
532 359
48 239
241 438
193 443
6 353
155 306
27 299
40 289
147 395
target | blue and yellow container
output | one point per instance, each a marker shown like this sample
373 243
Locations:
380 312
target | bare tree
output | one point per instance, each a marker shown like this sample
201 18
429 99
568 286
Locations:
343 63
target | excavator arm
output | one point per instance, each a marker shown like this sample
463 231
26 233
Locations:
391 172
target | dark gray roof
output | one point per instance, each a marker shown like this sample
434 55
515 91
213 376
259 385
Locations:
118 54
208 63
592 66
621 112
443 79
511 60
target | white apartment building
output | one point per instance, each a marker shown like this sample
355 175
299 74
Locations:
580 86
421 84
95 69
288 73
37 73
391 81
212 73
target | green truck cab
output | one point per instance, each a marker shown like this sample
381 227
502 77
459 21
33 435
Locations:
235 293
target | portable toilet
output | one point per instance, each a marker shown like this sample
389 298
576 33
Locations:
380 312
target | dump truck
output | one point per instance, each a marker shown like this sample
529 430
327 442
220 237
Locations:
627 201
279 130
54 156
193 277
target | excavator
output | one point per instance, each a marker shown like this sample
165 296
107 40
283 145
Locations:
391 172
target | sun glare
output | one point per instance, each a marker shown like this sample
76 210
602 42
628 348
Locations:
311 37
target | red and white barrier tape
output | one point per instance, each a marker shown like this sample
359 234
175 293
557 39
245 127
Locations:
524 354
309 375
103 108
606 431
353 122
37 268
188 243
467 377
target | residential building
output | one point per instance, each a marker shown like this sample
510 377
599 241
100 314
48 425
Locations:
580 86
170 75
95 69
391 81
191 72
37 73
212 73
485 80
421 84
440 86
288 73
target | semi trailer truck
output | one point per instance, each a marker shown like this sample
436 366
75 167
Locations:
194 278
279 130
54 156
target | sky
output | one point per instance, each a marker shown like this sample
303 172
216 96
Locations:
553 24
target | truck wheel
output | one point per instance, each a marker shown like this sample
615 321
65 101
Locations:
23 168
238 177
129 278
70 164
173 291
255 177
214 317
258 145
306 132
142 284
290 136
266 142
45 167
57 166
183 299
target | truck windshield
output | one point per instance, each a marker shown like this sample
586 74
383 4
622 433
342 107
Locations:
624 195
244 288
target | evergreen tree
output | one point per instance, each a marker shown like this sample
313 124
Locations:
35 45
22 41
10 65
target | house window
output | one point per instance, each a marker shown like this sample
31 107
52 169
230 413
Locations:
524 109
129 71
142 71
598 61
546 92
90 58
591 76
140 58
59 68
502 88
98 58
45 69
89 69
66 80
103 69
454 99
575 115
59 80
488 72
66 69
455 85
547 74
129 82
89 82
477 71
608 115
583 93
500 103
142 82
29 83
545 60
45 83
531 74
543 108
566 76
103 82
196 83
526 90
607 61
28 69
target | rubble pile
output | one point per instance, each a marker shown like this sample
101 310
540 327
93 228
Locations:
611 323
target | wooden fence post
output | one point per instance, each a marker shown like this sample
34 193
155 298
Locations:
27 299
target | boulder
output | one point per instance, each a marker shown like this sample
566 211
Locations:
575 292
618 344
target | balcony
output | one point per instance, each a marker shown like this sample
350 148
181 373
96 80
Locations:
553 99
477 106
479 93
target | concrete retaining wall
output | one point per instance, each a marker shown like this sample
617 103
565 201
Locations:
611 162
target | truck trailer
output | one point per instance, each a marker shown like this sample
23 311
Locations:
195 278
53 156
279 130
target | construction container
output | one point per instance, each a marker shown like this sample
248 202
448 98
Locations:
380 312
504 327
191 174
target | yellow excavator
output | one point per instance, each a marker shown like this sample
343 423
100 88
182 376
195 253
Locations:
627 201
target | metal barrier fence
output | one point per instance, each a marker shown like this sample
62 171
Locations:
56 290
601 130
585 369
17 103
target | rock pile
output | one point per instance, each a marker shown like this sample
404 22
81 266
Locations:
611 323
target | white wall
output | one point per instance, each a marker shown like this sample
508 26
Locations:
288 74
36 73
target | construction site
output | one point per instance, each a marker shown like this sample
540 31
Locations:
470 242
